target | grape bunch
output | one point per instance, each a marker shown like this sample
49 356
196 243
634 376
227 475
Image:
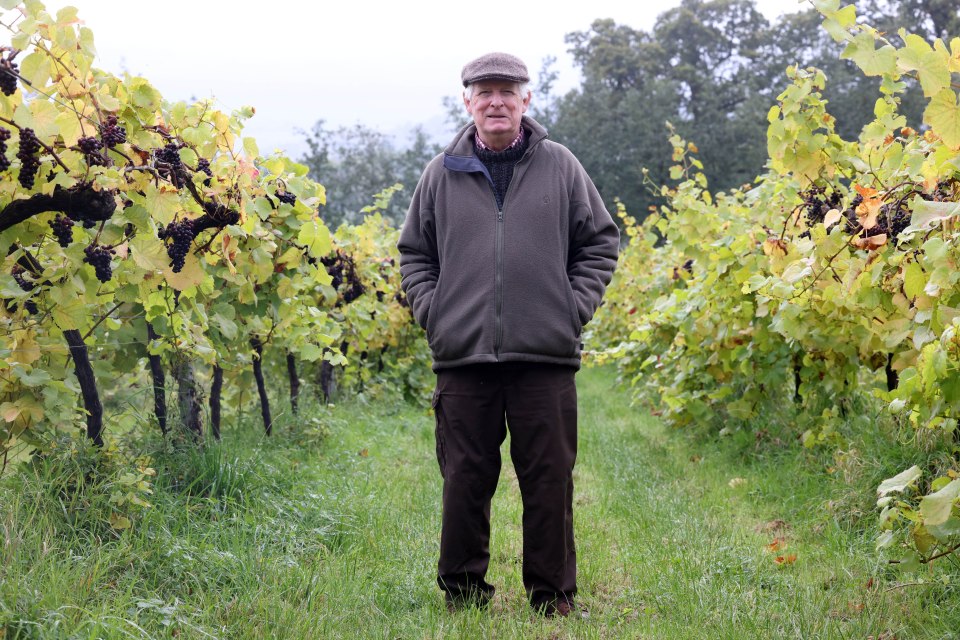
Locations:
99 258
24 284
4 161
111 133
818 203
29 159
17 273
203 166
91 147
170 155
63 230
286 197
8 77
181 234
343 270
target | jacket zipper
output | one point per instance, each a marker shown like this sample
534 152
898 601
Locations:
498 340
498 288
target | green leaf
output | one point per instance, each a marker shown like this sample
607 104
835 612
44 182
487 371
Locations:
900 481
162 203
68 124
188 157
914 280
44 119
943 116
935 250
70 314
930 65
148 252
871 60
226 326
936 507
35 69
311 353
315 236
926 213
250 147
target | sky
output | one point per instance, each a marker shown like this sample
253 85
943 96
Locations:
386 65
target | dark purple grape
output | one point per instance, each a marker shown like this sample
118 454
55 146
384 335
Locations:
99 257
8 77
180 234
111 133
286 197
4 161
63 230
29 158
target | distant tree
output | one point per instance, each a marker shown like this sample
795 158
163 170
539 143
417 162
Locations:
713 68
354 163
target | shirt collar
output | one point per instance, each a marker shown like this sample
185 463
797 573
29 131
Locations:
481 145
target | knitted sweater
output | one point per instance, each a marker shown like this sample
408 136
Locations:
500 165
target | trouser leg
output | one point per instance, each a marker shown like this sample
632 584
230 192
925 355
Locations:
470 429
541 409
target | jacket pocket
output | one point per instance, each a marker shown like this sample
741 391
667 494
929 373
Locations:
433 309
572 305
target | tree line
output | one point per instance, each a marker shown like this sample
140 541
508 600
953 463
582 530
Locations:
710 68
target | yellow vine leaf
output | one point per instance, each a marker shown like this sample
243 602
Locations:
930 64
943 116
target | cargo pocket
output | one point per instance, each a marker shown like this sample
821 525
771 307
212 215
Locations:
439 433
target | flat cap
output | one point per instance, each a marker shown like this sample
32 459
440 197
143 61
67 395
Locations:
500 66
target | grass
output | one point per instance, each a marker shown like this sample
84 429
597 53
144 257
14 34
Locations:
338 539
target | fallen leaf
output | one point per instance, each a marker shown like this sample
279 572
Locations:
778 544
363 453
785 560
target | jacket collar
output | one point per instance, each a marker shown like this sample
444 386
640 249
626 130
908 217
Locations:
462 144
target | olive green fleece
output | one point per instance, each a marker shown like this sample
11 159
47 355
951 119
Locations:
509 285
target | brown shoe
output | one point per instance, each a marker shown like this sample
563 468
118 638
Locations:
562 608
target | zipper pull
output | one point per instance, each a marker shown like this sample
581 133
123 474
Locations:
500 216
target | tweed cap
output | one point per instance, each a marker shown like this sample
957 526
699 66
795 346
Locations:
501 66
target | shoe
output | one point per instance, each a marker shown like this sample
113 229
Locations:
562 608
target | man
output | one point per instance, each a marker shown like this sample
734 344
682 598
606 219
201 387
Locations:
504 256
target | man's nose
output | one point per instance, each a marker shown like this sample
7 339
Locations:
497 99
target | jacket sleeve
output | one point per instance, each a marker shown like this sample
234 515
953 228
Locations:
419 262
594 245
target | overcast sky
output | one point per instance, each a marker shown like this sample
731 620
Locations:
386 65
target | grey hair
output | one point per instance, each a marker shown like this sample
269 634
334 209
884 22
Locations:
522 89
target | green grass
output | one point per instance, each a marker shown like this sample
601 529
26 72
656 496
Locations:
338 539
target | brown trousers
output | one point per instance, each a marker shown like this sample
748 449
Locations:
474 407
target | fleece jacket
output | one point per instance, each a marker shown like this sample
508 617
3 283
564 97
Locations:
515 283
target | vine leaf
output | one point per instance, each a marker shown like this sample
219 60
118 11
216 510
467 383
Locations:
871 60
936 507
943 115
930 64
899 482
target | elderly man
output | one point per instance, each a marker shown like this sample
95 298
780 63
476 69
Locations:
504 256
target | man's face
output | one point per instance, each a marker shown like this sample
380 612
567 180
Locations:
496 107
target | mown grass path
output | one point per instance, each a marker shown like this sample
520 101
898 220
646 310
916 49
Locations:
677 537
667 547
